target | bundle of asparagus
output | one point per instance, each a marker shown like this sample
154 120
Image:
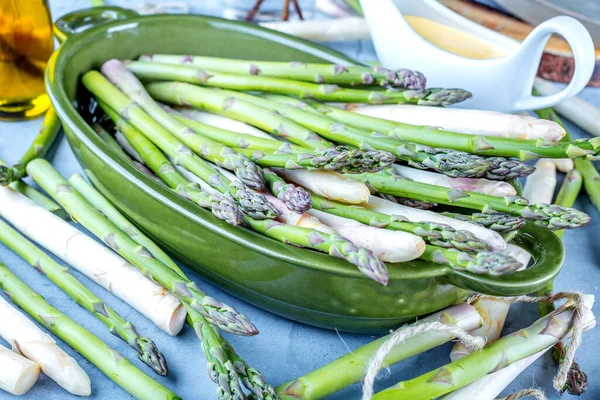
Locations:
147 129
442 242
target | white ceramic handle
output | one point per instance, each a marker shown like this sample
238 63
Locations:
530 52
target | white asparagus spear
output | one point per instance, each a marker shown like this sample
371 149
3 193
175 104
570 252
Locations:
17 373
478 122
94 260
29 340
539 188
564 164
384 206
328 184
485 186
223 122
489 387
493 311
389 246
339 29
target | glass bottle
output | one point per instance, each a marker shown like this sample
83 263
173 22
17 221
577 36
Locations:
26 44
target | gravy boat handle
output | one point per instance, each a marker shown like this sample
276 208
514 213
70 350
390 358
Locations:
523 64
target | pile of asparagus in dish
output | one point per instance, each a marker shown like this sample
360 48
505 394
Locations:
275 147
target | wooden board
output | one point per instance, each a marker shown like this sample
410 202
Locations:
557 62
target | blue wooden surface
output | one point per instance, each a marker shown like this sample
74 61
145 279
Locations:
284 349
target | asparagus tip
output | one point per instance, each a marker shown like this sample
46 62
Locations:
495 264
253 204
150 355
297 199
555 217
227 210
501 169
250 174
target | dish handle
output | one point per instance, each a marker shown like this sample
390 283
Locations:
80 20
548 253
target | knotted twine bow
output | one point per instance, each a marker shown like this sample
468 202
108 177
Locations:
473 343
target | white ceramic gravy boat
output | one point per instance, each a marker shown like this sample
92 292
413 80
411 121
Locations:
501 84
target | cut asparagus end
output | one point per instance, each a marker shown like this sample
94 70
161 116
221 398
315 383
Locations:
296 198
227 209
253 204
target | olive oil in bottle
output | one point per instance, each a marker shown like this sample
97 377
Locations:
26 44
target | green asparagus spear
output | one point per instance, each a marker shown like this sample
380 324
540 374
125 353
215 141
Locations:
433 233
145 347
496 221
350 368
250 202
223 207
591 177
185 290
40 146
496 168
299 71
450 162
107 360
511 348
483 145
215 152
591 181
221 102
351 160
325 92
549 216
340 159
569 191
296 198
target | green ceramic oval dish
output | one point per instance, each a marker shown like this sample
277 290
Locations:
296 283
